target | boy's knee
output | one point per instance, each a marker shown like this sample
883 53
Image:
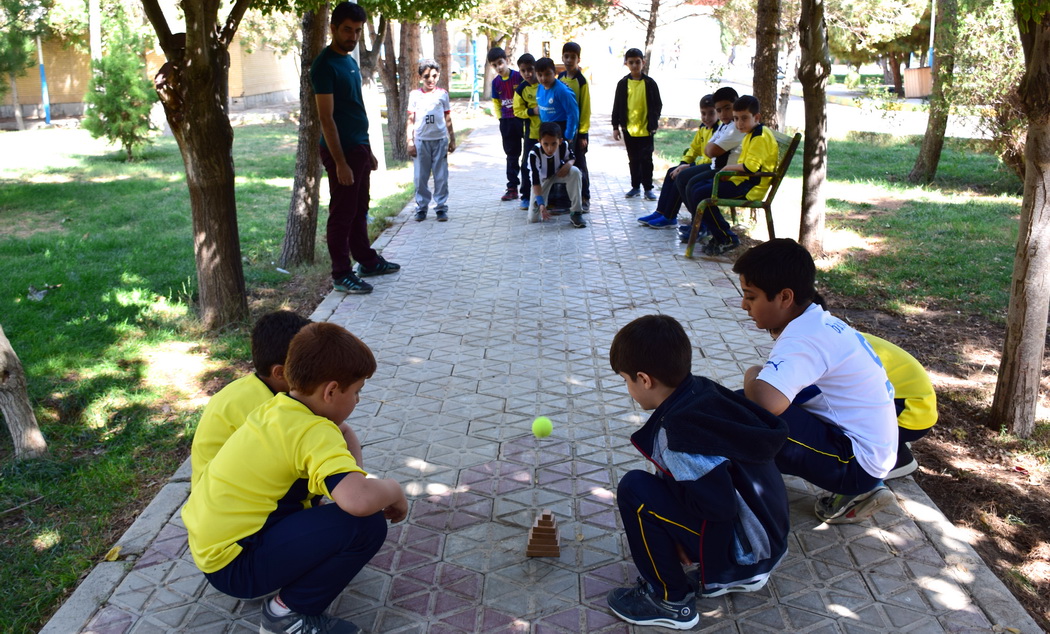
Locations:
632 484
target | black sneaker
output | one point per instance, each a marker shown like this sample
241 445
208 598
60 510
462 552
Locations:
421 215
850 509
906 464
587 206
352 284
295 623
577 220
381 268
637 605
442 216
715 248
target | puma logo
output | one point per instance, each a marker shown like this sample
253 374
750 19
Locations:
775 364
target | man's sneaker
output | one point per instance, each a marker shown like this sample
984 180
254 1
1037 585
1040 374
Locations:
421 215
637 605
381 268
633 193
576 218
645 220
524 204
586 206
442 216
663 222
352 284
850 509
295 623
510 194
906 464
650 194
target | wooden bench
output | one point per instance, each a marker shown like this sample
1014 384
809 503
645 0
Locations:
787 145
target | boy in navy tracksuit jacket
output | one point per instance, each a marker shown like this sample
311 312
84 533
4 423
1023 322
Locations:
717 498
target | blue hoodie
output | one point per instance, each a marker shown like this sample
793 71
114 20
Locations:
558 103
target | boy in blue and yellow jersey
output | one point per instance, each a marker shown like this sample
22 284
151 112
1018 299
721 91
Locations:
573 77
248 531
636 110
716 498
510 127
693 162
525 109
758 153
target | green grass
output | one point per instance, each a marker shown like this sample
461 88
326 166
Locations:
112 352
948 245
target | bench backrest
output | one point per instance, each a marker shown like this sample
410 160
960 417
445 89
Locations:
787 146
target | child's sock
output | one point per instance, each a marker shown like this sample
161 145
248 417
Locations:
279 609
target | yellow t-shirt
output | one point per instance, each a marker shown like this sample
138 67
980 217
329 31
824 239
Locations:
910 382
694 155
637 109
223 415
759 153
582 89
281 452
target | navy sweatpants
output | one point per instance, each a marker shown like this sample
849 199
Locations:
821 453
510 128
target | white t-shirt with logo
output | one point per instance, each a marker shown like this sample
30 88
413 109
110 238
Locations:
429 108
819 349
729 139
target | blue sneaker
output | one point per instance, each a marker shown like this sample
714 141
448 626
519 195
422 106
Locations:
633 193
650 194
645 220
524 204
663 222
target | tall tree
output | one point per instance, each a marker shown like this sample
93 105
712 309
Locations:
814 70
443 53
943 68
300 235
861 31
767 39
14 404
21 22
1017 389
651 18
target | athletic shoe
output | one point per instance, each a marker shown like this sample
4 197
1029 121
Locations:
510 194
524 204
295 623
633 193
381 268
850 509
421 215
906 464
714 248
576 218
637 605
586 206
709 592
442 216
663 222
645 220
650 194
352 284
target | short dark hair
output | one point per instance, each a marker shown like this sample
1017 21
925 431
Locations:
496 53
707 101
747 102
633 52
550 128
778 264
271 335
656 345
725 93
426 63
324 352
348 11
544 63
571 47
526 58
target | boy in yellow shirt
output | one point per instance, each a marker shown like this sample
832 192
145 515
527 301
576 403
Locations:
525 108
636 110
573 77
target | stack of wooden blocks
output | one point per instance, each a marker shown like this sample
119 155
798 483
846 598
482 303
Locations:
543 537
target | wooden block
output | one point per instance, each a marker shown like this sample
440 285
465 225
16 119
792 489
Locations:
543 537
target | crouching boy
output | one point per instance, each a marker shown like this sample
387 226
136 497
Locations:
250 531
551 161
716 498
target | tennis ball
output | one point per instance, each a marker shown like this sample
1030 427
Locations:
542 427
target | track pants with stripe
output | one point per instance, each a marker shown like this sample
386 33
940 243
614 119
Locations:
821 453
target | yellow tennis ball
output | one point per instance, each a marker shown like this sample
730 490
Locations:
542 427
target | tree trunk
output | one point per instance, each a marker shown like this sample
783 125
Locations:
896 59
15 407
943 67
443 54
14 103
1017 389
300 235
395 88
650 33
814 70
767 36
791 57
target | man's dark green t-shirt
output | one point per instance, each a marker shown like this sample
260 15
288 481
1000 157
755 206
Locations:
339 76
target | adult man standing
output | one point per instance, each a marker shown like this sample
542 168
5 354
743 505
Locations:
346 153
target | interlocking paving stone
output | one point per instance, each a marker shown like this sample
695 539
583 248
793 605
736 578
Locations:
490 323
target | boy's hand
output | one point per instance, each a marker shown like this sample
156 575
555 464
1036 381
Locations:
397 511
583 142
674 172
412 150
546 215
616 134
563 171
451 146
682 557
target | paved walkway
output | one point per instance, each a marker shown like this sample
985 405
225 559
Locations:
490 323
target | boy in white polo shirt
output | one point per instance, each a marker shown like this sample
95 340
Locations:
430 140
824 379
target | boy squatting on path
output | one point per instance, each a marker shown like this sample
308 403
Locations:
430 140
717 497
636 109
824 380
573 77
550 162
248 529
503 85
525 108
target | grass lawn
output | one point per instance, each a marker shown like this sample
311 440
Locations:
96 283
